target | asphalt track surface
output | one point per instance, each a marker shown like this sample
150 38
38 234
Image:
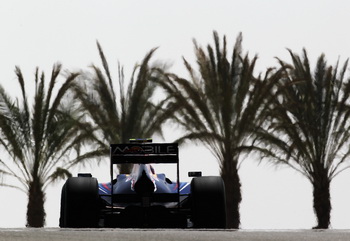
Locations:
54 234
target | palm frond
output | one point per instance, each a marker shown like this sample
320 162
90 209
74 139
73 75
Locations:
132 113
222 99
309 117
28 134
60 173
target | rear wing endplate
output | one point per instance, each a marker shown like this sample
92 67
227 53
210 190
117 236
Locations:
144 153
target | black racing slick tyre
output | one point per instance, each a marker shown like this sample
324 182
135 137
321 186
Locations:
80 203
208 202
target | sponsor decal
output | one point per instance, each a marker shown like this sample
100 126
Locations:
144 149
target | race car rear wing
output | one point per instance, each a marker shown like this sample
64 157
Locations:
144 153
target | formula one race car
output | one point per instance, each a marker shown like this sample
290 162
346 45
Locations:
143 198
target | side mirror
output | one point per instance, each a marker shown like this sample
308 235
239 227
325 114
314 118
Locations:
194 174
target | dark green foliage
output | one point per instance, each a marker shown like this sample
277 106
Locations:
294 115
122 113
308 127
220 107
39 140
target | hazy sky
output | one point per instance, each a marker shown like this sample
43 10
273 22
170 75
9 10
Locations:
41 33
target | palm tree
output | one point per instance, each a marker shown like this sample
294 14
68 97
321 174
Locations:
38 140
122 113
309 126
219 107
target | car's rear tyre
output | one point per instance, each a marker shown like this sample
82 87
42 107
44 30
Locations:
62 220
208 202
79 203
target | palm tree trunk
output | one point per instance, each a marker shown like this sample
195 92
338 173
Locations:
322 201
35 209
229 174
